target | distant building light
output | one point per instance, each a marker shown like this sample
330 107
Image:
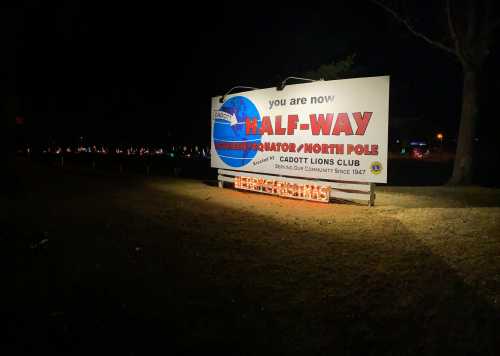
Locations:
418 143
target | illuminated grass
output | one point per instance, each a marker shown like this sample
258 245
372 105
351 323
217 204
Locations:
141 263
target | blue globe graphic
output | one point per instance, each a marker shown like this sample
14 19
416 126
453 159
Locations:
226 134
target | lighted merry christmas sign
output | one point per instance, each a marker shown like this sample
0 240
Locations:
283 188
334 130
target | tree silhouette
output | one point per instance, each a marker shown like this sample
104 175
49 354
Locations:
469 31
335 70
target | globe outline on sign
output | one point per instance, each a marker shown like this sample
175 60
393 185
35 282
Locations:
234 133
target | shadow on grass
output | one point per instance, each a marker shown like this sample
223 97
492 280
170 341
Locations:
211 182
124 281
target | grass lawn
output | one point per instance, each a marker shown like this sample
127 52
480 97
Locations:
141 265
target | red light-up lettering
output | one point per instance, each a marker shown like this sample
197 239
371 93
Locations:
320 193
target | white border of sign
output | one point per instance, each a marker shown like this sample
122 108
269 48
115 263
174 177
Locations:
326 130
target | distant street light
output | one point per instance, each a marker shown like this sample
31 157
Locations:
440 136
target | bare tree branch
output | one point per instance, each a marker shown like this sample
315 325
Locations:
453 33
410 28
451 27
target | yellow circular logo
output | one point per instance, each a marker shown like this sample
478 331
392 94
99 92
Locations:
376 167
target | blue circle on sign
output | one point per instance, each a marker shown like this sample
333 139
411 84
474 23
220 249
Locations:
234 146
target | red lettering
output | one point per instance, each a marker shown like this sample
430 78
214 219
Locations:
251 126
292 124
359 149
266 126
368 150
319 123
278 130
324 193
342 125
362 121
314 192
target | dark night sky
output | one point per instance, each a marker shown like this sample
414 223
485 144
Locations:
135 72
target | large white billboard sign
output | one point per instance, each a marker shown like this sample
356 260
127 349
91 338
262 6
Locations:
335 130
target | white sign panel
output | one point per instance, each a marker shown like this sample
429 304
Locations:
334 130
